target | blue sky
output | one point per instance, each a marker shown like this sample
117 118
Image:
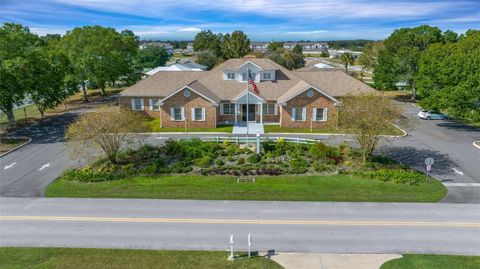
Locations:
262 20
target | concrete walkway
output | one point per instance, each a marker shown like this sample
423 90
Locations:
332 261
253 128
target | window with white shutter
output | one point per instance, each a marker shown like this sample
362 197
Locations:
137 103
198 114
320 114
154 104
298 114
177 113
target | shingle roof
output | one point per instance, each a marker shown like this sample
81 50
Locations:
335 82
211 83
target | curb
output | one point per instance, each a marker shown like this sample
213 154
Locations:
476 144
337 134
19 146
184 133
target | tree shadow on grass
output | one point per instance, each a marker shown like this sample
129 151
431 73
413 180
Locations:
415 158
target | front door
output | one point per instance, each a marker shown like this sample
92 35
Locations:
251 112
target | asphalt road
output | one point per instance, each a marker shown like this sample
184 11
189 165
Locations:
207 225
28 170
450 144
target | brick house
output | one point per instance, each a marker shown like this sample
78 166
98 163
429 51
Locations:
292 99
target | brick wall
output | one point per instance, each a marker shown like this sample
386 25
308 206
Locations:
316 101
194 100
178 100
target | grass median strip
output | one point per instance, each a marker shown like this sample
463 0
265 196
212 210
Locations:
123 258
433 262
280 188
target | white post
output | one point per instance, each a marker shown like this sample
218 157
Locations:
261 113
236 112
249 244
258 143
230 258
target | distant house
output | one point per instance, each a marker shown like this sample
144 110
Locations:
190 47
337 53
167 46
181 65
308 46
259 46
292 99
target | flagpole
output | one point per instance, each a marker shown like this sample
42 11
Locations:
248 93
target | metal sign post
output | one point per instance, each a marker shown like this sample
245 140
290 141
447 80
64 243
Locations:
230 258
249 245
428 162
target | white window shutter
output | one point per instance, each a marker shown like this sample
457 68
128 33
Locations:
325 114
141 103
314 114
275 108
293 114
304 113
133 103
192 110
183 113
150 101
221 109
203 114
172 113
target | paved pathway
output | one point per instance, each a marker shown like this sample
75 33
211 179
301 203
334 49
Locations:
282 226
332 261
253 128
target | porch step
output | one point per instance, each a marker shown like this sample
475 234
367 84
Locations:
253 128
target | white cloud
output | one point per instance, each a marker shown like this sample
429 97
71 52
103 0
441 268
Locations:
189 29
306 32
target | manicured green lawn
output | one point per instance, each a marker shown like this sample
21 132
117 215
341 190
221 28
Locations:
413 261
32 112
153 125
277 129
286 188
73 258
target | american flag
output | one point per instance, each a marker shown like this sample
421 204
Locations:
252 83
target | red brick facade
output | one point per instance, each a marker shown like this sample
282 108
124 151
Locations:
213 116
309 103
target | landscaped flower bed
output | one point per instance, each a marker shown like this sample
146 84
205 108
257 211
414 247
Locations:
276 158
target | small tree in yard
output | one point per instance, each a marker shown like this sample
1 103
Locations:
105 129
347 59
366 117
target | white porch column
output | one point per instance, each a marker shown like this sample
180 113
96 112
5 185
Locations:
236 112
261 113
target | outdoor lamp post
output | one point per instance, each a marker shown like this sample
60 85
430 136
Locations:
258 142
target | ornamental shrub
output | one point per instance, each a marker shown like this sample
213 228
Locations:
254 158
204 161
240 161
87 175
298 166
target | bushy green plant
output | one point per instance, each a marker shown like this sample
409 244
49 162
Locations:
240 161
149 169
219 162
393 175
320 167
253 158
87 175
204 161
298 166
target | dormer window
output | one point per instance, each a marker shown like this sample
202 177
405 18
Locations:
267 76
230 75
245 76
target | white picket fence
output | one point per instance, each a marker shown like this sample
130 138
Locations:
244 139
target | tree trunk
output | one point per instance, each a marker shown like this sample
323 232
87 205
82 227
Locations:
414 92
42 113
103 91
346 68
84 89
10 117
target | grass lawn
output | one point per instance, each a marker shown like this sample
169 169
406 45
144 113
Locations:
74 101
413 261
280 188
277 129
7 144
123 258
153 125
